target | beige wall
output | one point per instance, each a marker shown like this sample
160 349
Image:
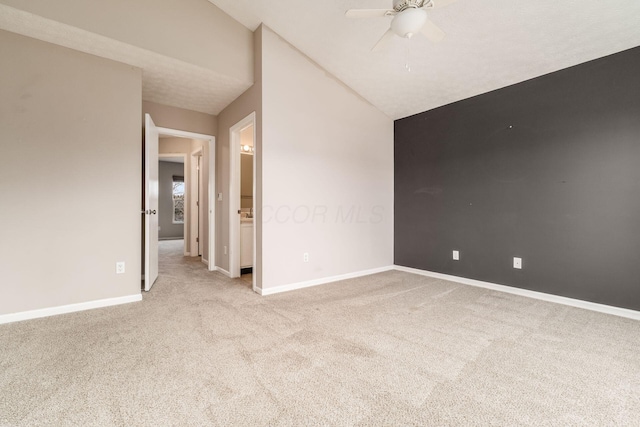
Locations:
194 31
180 119
327 173
70 172
318 145
247 103
174 146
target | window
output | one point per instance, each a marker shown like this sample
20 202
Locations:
178 199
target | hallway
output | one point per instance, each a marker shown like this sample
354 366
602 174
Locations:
176 270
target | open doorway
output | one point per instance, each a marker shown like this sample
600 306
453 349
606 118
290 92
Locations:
172 196
242 229
182 212
246 204
195 192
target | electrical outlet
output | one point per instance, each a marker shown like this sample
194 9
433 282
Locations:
456 255
305 257
517 263
119 267
225 250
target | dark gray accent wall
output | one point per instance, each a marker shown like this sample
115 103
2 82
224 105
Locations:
166 171
547 170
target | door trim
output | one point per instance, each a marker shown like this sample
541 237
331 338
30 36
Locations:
194 207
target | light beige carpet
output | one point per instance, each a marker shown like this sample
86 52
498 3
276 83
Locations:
391 349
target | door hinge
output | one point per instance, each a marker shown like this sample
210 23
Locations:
197 240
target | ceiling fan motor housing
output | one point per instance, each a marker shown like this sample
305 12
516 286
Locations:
409 22
400 5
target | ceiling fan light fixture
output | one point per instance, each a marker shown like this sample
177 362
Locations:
409 22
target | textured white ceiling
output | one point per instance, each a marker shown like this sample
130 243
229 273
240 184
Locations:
490 44
165 80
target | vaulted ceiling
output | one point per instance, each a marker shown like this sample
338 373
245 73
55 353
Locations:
194 56
489 44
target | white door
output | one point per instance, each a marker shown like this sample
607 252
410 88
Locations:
150 203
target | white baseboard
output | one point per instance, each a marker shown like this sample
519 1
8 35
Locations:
223 271
209 267
601 308
71 308
324 280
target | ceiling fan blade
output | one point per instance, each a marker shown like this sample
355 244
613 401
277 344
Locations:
368 13
384 40
432 32
437 4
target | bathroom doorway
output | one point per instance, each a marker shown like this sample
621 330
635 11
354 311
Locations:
242 228
246 203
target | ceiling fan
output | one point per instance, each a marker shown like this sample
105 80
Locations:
409 18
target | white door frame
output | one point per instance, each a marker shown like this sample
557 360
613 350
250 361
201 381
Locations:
195 208
211 141
201 209
234 195
184 174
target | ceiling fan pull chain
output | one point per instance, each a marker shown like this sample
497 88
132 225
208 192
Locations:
407 64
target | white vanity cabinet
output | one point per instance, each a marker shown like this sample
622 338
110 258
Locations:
246 243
